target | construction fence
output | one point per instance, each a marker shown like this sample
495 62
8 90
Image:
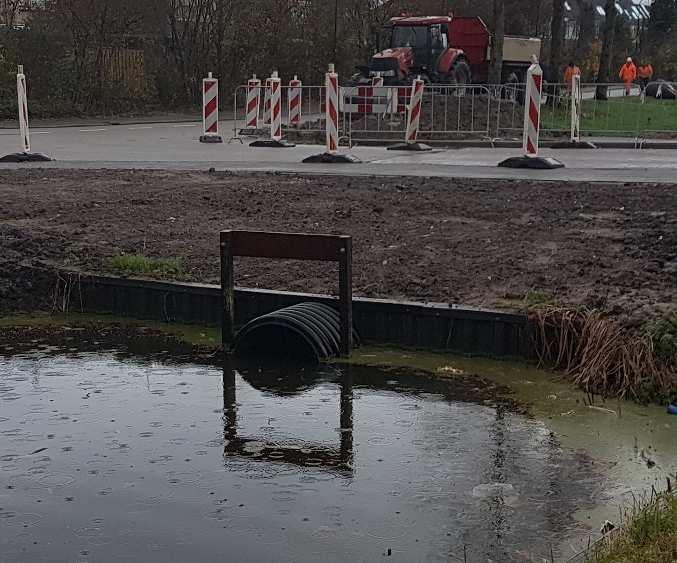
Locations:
472 112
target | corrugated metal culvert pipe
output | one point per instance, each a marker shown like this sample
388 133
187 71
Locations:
307 331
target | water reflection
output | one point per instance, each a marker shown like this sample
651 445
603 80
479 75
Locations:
250 463
286 381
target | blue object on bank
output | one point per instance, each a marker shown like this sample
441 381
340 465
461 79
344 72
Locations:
672 409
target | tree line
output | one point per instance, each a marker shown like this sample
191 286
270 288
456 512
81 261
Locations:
105 56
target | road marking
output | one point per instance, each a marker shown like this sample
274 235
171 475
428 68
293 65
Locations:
91 130
141 127
186 125
41 132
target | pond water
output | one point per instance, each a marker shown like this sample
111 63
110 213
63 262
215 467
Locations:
108 456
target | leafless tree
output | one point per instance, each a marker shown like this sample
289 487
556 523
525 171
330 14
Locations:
556 39
10 12
497 39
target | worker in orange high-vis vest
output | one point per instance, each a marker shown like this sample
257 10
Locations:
628 74
569 73
645 74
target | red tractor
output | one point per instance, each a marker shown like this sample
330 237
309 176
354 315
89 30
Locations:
446 50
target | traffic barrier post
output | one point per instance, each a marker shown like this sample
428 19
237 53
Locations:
332 154
275 140
294 102
413 120
532 123
576 103
25 154
253 103
22 100
210 110
576 107
266 103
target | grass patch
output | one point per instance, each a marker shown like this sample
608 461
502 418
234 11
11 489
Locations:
664 337
536 298
617 116
139 264
649 534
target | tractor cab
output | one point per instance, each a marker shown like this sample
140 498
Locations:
427 37
419 46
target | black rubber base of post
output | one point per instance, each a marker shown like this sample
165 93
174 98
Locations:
414 147
211 139
531 162
331 158
19 157
573 145
271 144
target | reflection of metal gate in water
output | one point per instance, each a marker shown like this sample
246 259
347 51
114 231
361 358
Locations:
311 454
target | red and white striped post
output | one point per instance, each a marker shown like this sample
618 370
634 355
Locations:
332 93
532 125
253 102
210 110
532 110
22 97
294 101
25 154
275 105
413 119
414 113
331 110
266 103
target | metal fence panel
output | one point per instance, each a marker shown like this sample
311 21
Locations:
477 112
447 113
312 124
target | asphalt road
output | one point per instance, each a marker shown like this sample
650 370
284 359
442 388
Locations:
175 146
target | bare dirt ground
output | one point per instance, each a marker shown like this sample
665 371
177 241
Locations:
491 243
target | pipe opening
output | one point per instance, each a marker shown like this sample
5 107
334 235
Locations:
304 332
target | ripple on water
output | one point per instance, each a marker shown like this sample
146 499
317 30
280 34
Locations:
92 536
193 478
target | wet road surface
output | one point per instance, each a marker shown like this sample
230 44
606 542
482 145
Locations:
175 146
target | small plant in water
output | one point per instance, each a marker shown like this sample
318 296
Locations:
140 264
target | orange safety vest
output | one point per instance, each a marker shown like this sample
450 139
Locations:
628 72
645 71
570 72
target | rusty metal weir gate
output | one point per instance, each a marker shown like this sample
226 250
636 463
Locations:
287 246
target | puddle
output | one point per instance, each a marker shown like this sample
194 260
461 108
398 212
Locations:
109 456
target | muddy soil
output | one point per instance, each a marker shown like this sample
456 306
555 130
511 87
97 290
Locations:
491 243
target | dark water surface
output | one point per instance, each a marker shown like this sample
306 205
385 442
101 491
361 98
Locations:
106 457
